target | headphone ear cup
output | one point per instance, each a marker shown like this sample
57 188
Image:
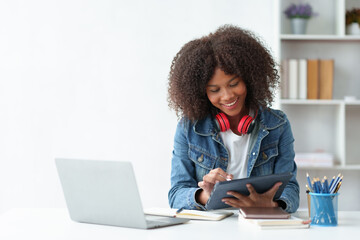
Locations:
222 122
246 124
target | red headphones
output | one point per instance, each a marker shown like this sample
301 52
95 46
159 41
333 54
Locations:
245 126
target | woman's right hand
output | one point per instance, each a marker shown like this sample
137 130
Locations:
208 182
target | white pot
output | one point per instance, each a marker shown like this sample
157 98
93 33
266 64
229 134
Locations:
353 29
298 25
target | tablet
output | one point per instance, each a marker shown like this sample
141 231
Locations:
261 184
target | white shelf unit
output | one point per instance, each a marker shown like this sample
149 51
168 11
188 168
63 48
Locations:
333 125
329 125
295 37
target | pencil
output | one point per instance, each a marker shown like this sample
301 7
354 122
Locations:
309 181
332 182
337 188
336 182
326 185
308 202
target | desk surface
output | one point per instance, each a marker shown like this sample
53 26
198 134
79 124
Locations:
55 224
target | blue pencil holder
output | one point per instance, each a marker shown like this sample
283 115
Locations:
324 209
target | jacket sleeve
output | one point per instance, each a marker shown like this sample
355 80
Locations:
285 161
183 182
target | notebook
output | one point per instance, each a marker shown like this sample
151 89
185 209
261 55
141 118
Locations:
292 222
191 214
105 192
264 212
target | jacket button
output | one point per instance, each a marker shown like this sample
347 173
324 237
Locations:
264 156
201 158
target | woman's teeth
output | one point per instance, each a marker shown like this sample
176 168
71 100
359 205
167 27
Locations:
230 104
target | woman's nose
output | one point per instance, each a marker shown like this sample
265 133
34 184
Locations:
227 94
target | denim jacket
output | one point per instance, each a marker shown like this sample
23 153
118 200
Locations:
198 148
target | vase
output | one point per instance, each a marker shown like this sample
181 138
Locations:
298 25
353 29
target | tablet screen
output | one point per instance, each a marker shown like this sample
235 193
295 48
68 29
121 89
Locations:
261 184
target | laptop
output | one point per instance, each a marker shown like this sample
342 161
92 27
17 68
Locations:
105 192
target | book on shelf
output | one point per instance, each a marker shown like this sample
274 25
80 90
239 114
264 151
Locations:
292 222
314 159
326 78
307 79
293 78
284 79
302 76
212 215
313 79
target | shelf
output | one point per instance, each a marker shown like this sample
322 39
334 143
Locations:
329 125
293 37
318 102
353 103
336 167
311 101
317 124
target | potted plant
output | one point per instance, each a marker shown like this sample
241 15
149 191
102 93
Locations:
352 19
299 14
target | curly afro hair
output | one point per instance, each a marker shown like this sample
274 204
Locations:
236 52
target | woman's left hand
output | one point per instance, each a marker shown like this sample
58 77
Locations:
254 199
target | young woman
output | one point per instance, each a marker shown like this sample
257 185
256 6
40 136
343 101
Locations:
221 86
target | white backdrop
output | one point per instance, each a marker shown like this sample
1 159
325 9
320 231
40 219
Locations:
88 79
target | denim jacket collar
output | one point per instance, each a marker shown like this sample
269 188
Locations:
207 126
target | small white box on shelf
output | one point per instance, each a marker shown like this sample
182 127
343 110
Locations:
314 159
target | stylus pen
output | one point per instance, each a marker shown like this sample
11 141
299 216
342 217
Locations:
179 211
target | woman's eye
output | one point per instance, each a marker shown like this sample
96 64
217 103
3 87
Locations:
234 84
214 90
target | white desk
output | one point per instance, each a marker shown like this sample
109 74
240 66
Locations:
52 224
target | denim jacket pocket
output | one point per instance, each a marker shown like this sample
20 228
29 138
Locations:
265 160
203 162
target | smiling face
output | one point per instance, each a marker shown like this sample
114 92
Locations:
227 93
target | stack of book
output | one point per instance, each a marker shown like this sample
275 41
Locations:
269 218
307 78
314 159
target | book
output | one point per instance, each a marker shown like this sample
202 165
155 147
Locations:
314 159
293 79
302 76
284 79
264 213
326 78
313 79
292 222
214 215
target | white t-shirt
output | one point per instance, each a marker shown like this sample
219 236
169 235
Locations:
238 148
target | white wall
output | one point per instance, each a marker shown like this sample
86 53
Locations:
88 79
